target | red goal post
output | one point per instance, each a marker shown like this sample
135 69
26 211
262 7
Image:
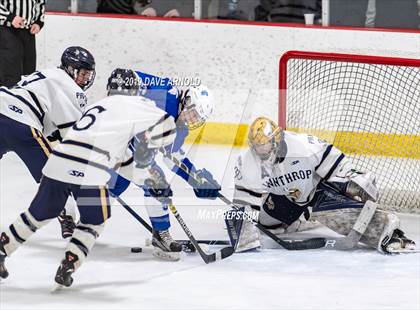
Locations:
368 106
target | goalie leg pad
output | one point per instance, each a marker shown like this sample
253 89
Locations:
380 228
365 217
244 236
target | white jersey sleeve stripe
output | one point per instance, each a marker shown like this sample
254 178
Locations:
246 203
39 114
333 167
80 160
65 125
324 156
87 146
330 159
245 196
252 193
127 162
36 101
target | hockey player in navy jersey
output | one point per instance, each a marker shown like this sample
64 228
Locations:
190 108
80 165
45 103
283 173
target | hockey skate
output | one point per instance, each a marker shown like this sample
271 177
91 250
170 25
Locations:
3 271
66 269
165 247
67 224
398 243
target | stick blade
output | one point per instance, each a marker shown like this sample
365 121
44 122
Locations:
219 255
226 252
313 243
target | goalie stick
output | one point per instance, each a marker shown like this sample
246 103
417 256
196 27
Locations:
341 243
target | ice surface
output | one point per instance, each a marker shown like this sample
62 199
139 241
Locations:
115 278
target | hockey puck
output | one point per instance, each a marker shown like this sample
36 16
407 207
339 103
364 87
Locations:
136 250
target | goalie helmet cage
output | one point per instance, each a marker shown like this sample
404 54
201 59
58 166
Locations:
367 106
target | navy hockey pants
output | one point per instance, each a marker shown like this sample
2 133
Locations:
27 142
92 201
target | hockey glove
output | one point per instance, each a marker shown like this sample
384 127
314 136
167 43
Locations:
55 136
143 156
207 188
161 192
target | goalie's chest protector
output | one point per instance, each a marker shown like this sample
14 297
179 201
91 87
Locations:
295 175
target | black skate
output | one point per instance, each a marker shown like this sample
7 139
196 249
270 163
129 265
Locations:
4 239
164 246
67 224
66 269
398 243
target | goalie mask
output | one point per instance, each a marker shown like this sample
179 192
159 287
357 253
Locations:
264 139
79 63
196 105
123 82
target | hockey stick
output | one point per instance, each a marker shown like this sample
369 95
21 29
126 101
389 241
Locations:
207 258
307 244
186 244
134 213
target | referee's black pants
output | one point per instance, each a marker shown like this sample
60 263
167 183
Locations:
17 54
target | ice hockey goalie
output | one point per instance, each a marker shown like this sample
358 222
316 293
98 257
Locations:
288 177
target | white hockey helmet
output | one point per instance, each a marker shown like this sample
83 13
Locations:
197 105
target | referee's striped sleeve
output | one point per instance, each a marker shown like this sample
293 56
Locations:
40 13
5 14
32 11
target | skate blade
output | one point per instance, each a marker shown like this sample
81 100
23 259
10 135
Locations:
168 256
56 288
404 251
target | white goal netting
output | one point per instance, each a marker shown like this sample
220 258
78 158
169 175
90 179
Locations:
367 106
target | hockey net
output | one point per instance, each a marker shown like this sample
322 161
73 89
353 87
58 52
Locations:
368 107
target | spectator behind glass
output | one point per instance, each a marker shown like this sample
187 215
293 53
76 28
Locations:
288 11
393 14
232 9
121 6
165 8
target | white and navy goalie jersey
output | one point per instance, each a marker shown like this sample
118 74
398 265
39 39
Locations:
46 100
308 161
99 141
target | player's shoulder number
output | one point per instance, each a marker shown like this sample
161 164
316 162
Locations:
88 118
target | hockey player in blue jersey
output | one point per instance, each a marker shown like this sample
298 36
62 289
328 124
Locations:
190 108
